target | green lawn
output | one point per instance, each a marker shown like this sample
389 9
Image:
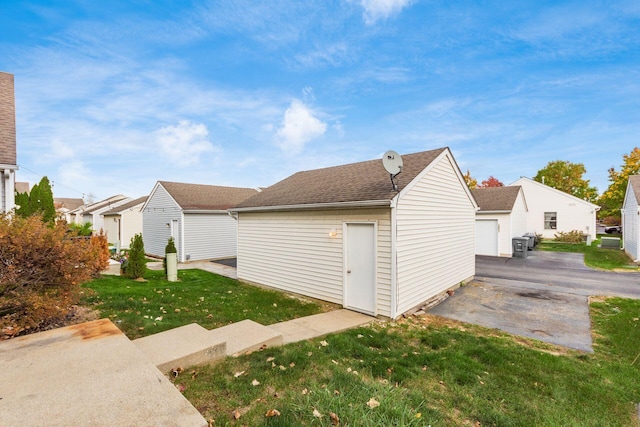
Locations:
419 371
427 371
595 257
145 308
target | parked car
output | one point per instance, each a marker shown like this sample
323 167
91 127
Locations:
613 229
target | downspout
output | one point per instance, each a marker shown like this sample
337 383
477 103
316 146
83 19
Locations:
394 260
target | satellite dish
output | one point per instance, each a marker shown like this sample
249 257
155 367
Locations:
392 162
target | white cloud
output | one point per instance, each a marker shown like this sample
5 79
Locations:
375 10
299 126
185 142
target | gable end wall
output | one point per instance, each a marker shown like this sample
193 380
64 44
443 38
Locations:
159 211
435 236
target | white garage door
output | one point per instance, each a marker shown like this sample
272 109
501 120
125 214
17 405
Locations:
487 237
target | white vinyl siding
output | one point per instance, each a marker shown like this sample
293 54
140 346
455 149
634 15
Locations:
159 211
3 197
518 218
293 251
572 213
435 236
131 224
111 225
631 226
209 236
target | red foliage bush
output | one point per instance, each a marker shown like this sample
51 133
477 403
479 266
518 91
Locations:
41 270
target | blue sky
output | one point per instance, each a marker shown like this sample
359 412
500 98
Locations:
113 96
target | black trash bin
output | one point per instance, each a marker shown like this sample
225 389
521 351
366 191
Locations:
520 247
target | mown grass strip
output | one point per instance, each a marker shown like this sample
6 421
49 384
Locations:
144 308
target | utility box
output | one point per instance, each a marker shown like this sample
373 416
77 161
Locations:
520 247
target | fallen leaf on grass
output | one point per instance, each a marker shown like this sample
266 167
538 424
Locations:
272 413
334 419
236 415
372 403
305 391
324 343
255 383
177 371
211 423
237 374
291 365
317 414
270 359
334 362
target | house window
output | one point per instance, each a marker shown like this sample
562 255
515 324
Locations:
550 221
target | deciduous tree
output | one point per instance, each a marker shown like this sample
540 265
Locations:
471 181
491 182
612 199
567 177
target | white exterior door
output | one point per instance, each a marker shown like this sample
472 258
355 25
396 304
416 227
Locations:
360 267
487 237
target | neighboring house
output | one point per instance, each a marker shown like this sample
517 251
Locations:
196 216
502 216
123 222
64 205
93 212
344 235
631 219
8 157
551 211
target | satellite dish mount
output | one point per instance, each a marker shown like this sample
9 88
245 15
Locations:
392 162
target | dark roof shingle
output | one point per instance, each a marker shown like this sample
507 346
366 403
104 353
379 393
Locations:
363 181
496 198
206 197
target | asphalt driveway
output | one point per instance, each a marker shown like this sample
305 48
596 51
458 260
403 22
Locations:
543 296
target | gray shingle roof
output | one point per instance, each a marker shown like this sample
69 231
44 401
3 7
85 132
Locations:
87 209
206 197
363 181
126 206
67 202
22 187
496 198
634 180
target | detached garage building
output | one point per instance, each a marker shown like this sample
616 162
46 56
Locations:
502 216
195 215
344 235
631 218
551 211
